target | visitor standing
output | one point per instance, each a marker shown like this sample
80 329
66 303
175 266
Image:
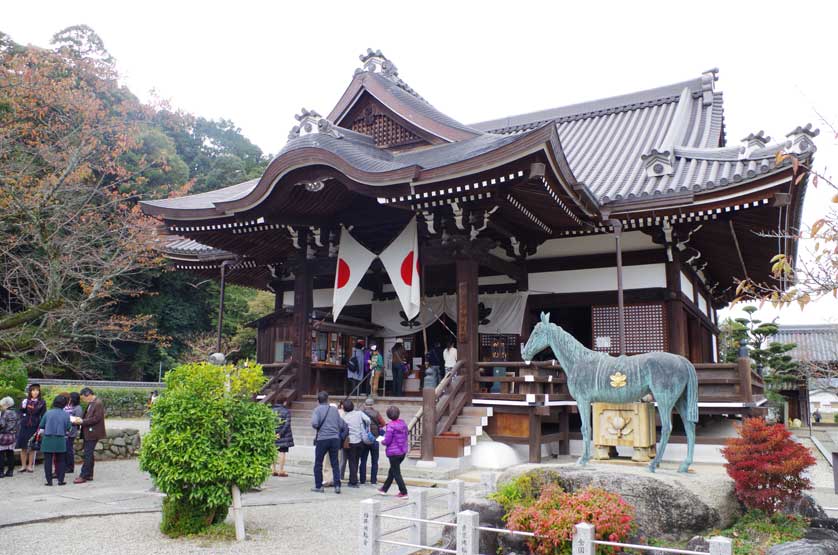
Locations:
284 438
92 430
399 368
817 415
395 439
9 427
54 426
32 409
371 451
376 367
449 356
74 410
436 362
355 366
331 430
359 424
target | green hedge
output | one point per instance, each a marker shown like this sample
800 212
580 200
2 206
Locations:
13 380
119 401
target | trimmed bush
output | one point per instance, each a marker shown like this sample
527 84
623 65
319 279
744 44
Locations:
124 402
523 491
554 514
766 465
182 518
204 439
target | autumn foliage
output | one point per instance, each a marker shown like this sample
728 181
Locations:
766 465
555 513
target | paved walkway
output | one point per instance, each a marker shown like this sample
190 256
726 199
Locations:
120 511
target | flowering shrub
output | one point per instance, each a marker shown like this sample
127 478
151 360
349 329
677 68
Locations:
555 513
766 465
523 491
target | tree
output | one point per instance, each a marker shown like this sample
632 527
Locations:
207 436
766 465
70 238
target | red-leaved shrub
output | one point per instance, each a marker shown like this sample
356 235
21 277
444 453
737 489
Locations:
555 513
766 465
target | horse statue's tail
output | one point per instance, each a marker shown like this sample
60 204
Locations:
692 393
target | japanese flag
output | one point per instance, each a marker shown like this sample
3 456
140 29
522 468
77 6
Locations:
353 262
401 260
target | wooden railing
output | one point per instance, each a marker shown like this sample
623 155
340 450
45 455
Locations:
451 386
283 378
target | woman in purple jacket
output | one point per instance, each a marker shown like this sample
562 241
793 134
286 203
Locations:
395 439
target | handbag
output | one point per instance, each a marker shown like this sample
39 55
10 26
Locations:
7 439
34 443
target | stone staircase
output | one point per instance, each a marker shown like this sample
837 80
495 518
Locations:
469 423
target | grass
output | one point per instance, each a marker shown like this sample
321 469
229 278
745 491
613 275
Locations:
753 533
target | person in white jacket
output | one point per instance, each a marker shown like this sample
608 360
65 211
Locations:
359 424
449 356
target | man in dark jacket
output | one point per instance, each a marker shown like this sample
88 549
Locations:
371 451
331 429
92 430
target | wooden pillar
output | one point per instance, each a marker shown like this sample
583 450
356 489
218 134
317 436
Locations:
467 340
535 436
428 423
303 301
676 319
564 429
745 389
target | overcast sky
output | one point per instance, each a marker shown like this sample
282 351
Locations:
259 63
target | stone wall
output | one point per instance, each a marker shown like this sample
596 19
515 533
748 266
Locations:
120 444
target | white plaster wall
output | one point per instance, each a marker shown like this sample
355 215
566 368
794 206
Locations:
599 279
702 304
323 298
589 244
687 286
823 398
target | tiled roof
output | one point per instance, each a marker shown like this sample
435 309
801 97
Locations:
189 247
206 200
815 343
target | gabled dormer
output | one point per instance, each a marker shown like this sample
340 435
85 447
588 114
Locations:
380 104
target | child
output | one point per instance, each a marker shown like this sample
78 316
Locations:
395 439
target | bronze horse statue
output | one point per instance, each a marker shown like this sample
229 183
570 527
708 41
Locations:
593 376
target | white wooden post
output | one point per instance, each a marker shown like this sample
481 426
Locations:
238 513
468 536
583 539
419 532
458 492
370 527
720 545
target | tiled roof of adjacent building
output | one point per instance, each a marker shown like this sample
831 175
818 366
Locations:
815 343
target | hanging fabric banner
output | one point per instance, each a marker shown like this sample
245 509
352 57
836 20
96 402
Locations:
353 262
395 323
501 313
401 260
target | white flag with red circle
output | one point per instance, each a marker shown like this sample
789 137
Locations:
353 262
401 260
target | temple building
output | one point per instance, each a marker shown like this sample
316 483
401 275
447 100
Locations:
629 219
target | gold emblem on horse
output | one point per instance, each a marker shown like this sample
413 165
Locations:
618 379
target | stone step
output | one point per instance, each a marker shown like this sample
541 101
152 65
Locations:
466 430
477 411
472 421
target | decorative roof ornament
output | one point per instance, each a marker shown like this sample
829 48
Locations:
708 79
376 62
801 139
753 142
312 122
658 162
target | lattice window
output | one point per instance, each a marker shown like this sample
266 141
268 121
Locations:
495 347
645 328
385 131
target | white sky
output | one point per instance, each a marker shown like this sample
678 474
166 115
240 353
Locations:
258 63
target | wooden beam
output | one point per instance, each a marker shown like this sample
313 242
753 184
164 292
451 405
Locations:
535 437
467 307
676 319
303 301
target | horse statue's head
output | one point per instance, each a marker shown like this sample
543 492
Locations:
539 338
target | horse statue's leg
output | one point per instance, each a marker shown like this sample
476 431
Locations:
584 407
665 412
689 428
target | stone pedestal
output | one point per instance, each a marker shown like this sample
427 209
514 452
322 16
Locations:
629 424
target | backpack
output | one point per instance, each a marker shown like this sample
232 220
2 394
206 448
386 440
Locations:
375 428
366 434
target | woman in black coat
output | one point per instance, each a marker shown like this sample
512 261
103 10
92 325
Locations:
284 437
